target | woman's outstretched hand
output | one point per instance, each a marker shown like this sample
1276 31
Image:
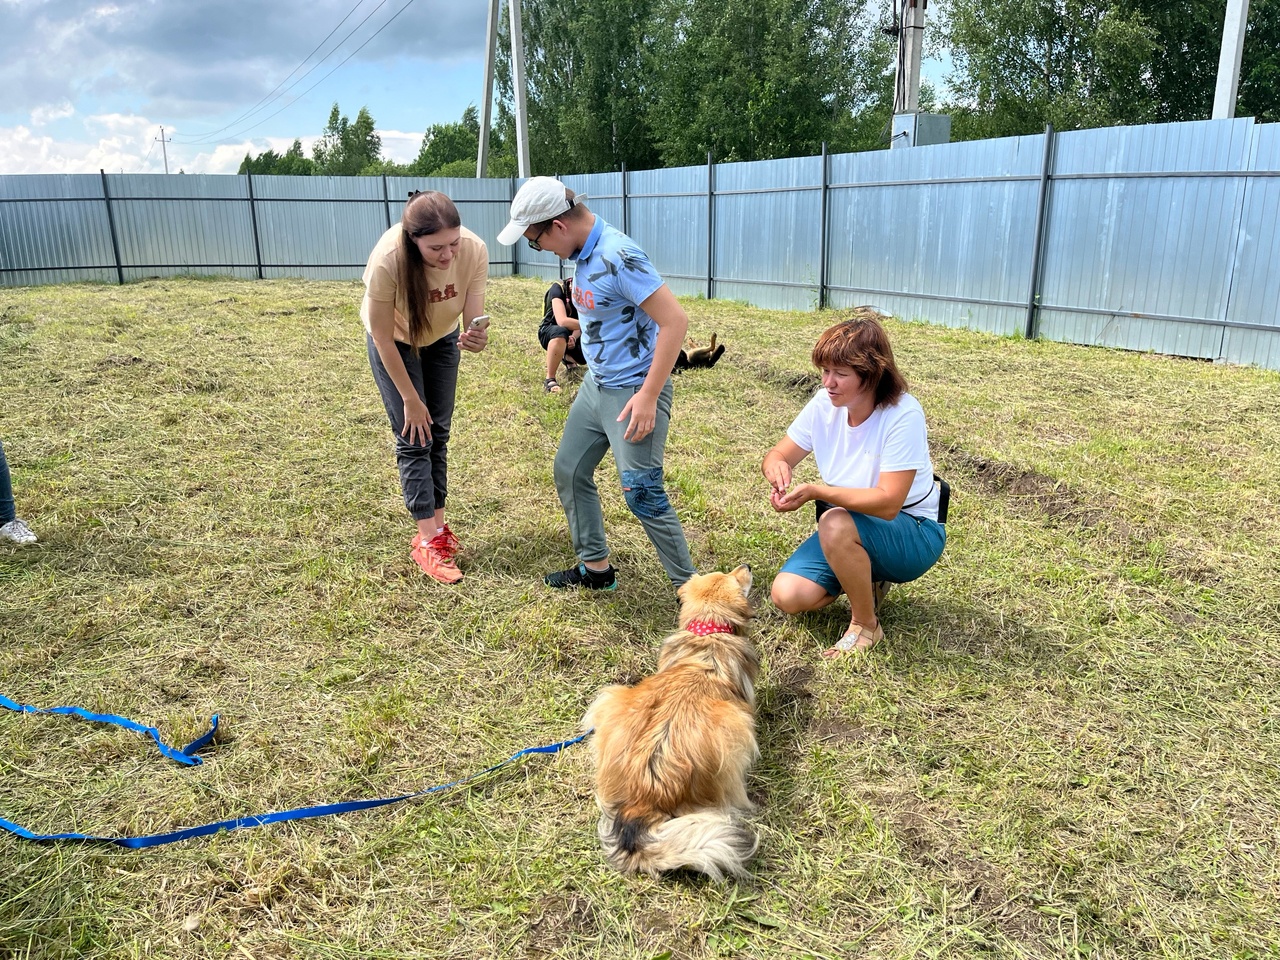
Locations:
784 501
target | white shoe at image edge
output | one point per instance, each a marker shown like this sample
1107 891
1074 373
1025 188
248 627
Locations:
17 531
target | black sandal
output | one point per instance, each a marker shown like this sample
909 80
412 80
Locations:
551 385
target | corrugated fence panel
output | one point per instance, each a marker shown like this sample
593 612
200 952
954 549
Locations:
54 229
668 219
168 225
604 194
320 228
778 202
1255 288
954 253
1157 246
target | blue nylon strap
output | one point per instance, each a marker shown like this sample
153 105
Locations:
257 820
186 755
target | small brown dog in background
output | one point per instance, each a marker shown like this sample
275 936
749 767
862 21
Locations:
672 752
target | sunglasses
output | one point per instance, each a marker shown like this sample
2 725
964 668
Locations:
534 244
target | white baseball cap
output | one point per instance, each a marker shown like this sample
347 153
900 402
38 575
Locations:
539 199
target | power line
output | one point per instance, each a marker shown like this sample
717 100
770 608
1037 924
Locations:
248 113
322 79
207 138
149 149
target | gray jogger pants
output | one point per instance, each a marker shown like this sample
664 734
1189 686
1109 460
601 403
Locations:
593 429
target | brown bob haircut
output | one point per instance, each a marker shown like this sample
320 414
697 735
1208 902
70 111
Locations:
427 212
861 344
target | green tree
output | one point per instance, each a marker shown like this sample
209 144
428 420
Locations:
1021 63
348 149
759 79
295 163
1259 95
585 84
652 82
1184 64
450 150
292 163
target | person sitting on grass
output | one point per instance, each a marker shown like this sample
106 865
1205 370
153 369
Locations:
12 528
560 332
877 503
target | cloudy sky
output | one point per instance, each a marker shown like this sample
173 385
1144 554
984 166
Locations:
87 86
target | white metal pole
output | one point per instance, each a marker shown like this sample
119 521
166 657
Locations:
486 110
165 150
517 85
1224 95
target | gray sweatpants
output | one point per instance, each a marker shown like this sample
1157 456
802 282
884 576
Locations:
592 430
424 468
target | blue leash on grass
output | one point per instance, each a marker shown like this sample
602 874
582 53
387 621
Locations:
257 820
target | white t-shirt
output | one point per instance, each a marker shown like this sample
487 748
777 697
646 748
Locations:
891 439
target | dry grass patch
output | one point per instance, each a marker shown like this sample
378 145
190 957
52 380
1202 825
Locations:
1067 748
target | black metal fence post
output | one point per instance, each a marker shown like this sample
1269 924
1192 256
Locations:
711 218
822 230
1037 249
626 220
111 223
253 219
386 201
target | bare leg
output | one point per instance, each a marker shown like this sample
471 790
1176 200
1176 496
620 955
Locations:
849 561
555 353
428 526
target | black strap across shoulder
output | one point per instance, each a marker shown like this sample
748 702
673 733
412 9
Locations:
944 501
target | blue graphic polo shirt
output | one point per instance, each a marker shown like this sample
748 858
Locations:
613 277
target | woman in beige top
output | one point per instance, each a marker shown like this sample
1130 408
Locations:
424 273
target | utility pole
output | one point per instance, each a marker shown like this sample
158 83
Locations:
164 150
906 94
1224 95
517 85
486 111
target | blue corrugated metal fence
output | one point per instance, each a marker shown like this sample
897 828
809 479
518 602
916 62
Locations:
1156 238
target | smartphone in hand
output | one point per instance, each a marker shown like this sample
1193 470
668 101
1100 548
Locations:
479 323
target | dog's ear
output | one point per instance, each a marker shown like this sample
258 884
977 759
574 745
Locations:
743 575
682 589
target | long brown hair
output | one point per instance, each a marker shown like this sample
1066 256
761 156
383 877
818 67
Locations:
427 212
862 345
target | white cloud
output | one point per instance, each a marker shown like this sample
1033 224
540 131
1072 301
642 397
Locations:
401 147
21 151
48 113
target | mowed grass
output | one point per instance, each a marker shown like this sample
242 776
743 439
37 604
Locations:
1067 747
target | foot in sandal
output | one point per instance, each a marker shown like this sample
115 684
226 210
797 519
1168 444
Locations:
857 637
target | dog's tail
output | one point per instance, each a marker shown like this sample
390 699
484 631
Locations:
711 842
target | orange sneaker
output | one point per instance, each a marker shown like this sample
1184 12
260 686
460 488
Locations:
449 542
435 561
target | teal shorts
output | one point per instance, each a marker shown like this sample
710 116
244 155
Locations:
901 549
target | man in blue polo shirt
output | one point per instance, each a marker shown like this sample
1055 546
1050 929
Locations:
632 330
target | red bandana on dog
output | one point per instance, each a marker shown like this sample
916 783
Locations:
704 628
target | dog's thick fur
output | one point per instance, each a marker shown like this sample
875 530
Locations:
672 752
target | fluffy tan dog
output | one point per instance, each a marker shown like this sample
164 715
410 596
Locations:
672 752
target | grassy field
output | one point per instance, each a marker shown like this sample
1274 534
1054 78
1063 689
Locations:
1067 747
